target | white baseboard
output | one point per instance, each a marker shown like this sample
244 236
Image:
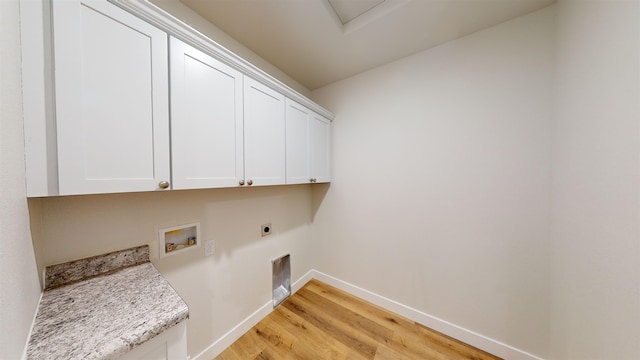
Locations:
472 338
245 325
234 334
457 332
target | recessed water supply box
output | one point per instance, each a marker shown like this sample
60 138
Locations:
177 239
281 279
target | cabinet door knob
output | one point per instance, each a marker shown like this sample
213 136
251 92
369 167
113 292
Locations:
163 184
241 182
250 182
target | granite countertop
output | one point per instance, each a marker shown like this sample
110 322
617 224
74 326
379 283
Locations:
105 315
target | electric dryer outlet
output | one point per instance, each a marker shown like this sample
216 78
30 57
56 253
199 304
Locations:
266 229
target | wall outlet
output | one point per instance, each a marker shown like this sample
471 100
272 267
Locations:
209 247
266 229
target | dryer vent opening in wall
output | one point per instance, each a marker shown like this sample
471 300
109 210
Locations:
281 279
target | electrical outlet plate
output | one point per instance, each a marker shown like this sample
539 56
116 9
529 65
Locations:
266 229
209 247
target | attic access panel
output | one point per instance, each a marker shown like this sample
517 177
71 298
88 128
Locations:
348 10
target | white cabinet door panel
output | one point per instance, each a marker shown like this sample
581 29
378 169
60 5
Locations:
171 344
264 134
111 99
320 148
308 145
297 125
206 120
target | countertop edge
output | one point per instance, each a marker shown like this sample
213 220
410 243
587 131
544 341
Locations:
105 316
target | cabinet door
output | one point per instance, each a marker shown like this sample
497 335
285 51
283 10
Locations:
111 88
264 135
297 142
171 344
308 145
206 120
320 148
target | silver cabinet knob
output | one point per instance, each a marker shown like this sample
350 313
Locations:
250 182
163 184
313 180
241 182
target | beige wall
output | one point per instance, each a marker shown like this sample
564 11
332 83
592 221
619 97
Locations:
220 290
595 247
463 187
441 190
188 16
19 287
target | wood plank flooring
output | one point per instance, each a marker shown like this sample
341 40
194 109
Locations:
322 322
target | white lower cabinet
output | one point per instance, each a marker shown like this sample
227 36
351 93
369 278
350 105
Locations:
264 135
308 140
206 120
111 86
171 344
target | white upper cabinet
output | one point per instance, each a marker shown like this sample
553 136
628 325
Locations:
297 125
320 148
206 120
308 145
264 135
100 117
111 98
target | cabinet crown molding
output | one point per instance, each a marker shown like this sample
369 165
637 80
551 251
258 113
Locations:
175 27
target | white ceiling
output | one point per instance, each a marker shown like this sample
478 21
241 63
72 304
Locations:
348 10
310 42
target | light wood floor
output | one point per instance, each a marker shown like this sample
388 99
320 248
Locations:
322 322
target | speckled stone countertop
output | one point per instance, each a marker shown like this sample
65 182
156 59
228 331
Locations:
104 316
